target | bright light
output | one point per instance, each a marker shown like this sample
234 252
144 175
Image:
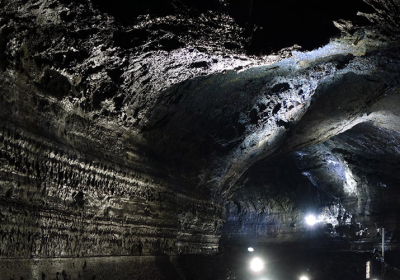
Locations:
304 278
256 264
250 249
310 220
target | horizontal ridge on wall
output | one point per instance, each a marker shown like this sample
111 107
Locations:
57 202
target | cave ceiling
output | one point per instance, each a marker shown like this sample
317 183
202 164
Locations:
231 118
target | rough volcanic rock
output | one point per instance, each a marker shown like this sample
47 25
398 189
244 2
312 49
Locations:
139 129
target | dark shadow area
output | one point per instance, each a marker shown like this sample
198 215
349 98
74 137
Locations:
126 11
273 25
269 25
201 267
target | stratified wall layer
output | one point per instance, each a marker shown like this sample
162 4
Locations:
56 202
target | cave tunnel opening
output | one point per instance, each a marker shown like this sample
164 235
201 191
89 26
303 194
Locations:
316 180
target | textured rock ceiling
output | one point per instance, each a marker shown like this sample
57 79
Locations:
145 128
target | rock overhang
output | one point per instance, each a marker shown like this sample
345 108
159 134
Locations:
186 109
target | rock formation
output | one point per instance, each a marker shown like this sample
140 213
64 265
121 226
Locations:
144 130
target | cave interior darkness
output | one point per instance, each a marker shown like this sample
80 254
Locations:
161 139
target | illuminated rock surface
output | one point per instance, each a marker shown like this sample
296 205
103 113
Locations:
157 140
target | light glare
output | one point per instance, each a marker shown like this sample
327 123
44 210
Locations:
304 278
310 220
256 264
250 249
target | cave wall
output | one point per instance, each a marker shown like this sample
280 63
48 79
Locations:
57 202
77 178
125 135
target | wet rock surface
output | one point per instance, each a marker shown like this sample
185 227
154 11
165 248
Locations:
172 129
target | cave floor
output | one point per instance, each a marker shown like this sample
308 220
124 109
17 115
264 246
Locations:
281 262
